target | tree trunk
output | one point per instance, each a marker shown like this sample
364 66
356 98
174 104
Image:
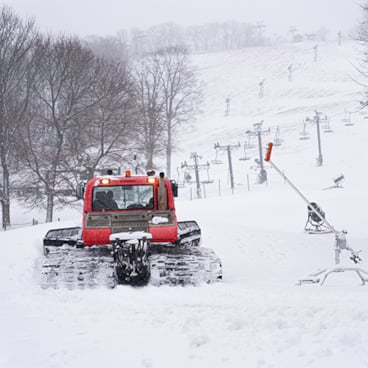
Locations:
168 153
5 200
5 207
149 164
49 207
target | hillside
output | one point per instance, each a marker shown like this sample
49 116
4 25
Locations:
257 317
326 84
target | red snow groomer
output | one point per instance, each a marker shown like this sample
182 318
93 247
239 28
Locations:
118 204
130 234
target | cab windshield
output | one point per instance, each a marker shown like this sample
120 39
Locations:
126 197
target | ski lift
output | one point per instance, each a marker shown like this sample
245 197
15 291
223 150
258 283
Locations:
277 140
208 180
216 161
347 118
249 144
267 131
326 124
179 179
245 157
227 102
304 135
315 224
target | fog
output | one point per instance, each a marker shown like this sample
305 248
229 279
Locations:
86 17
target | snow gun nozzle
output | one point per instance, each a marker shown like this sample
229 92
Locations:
355 257
269 150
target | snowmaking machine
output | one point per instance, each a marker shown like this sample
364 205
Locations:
129 235
316 217
316 221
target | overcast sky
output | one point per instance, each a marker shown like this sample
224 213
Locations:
104 17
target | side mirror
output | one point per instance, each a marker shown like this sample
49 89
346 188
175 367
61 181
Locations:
174 187
79 191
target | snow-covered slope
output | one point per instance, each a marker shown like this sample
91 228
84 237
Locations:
257 317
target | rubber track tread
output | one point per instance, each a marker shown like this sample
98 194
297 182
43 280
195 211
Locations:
74 268
183 265
91 267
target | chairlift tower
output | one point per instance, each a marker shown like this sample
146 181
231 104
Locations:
196 167
315 49
316 119
261 88
227 110
228 149
290 73
258 132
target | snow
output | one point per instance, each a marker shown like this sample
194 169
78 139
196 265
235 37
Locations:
258 316
130 236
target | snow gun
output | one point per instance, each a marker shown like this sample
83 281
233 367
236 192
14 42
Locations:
340 237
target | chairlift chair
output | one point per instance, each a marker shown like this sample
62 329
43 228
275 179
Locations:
347 118
326 126
216 160
304 135
277 140
249 143
179 179
245 157
208 180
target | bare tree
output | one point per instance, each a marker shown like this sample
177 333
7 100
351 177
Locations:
199 38
109 47
81 119
165 35
168 95
62 95
105 133
16 41
148 95
181 93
